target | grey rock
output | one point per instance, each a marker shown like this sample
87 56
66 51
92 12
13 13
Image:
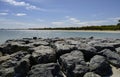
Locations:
112 57
62 48
118 50
7 72
44 54
79 71
87 50
1 54
102 46
45 70
14 47
70 61
99 65
91 74
22 67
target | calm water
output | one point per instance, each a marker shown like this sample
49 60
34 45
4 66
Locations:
16 34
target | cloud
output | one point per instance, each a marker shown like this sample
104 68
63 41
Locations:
24 4
57 23
20 14
3 14
115 18
74 20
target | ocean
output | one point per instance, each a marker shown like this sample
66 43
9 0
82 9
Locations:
18 34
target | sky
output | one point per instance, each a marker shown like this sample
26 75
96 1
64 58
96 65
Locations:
58 13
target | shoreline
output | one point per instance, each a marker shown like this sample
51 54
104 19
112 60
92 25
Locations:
99 31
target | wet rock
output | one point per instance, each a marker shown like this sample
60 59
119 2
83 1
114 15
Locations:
112 57
7 72
45 70
44 54
70 61
91 74
99 65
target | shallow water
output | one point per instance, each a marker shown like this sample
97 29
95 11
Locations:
18 34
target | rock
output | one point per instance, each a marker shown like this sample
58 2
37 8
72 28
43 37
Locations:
102 46
34 38
1 54
14 47
73 42
44 54
79 71
4 58
62 48
45 70
91 37
99 65
87 50
69 62
40 42
23 67
112 57
118 50
91 74
7 72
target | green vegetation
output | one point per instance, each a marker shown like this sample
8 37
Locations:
105 27
102 27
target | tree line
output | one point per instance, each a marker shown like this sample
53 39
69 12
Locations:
102 27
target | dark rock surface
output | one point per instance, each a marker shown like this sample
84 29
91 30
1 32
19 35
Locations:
112 57
59 57
99 65
45 70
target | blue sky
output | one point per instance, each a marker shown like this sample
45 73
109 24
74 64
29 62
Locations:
58 13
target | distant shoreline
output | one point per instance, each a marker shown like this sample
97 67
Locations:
100 31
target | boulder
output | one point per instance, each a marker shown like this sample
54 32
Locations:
7 72
40 42
87 50
1 54
69 62
112 57
14 47
79 71
102 46
44 54
91 74
45 70
22 67
118 50
62 48
99 65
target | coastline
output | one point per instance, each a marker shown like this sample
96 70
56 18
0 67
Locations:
99 31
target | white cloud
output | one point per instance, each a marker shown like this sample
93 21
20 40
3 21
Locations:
3 14
74 20
115 18
16 3
57 23
20 14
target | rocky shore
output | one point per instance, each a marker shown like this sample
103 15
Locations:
59 57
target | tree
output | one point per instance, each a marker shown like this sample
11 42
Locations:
118 23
